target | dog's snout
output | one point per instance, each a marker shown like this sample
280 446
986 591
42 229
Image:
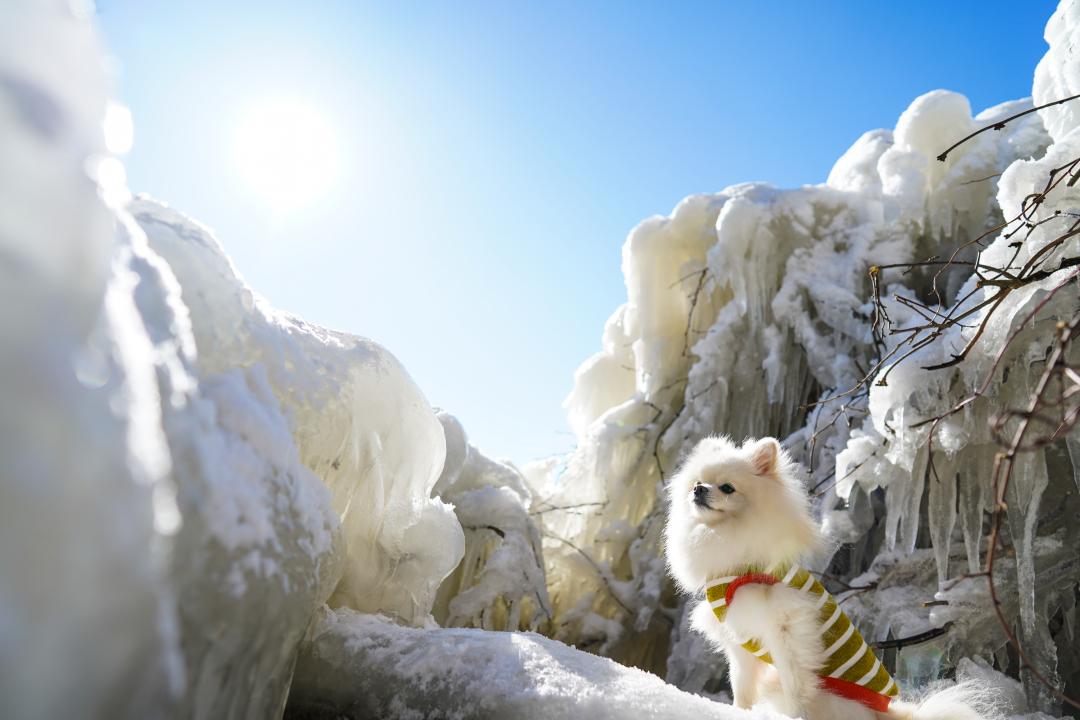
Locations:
700 491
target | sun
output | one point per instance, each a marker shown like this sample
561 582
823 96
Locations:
287 152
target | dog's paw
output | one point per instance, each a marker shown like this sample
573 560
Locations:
743 704
790 709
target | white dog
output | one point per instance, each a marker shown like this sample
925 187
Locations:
739 520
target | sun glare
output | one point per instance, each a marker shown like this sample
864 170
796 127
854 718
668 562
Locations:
286 152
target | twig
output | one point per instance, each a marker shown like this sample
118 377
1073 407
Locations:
912 639
595 566
1000 125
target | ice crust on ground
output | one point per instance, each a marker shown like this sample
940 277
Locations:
206 500
359 665
363 666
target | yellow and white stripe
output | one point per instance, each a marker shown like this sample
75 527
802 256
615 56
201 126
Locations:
848 657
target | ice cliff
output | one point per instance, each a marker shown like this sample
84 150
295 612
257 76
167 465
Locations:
209 507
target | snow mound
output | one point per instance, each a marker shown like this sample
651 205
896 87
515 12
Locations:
363 666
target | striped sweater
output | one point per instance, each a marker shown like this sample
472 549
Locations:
851 668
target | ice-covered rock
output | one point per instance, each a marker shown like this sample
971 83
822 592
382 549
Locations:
357 418
257 545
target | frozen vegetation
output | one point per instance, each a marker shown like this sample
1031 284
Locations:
209 507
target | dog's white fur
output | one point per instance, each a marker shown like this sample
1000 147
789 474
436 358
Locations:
766 521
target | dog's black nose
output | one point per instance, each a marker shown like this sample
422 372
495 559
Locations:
700 491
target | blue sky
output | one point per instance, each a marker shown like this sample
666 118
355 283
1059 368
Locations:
495 155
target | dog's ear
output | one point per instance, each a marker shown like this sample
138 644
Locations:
764 456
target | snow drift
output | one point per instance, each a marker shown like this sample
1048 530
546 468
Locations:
363 666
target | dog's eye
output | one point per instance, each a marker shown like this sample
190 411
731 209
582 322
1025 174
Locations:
727 488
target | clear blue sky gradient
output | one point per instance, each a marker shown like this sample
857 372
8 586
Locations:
498 153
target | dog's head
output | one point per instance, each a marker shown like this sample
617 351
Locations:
733 505
720 482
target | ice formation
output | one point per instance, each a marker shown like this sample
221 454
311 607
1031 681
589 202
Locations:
743 306
500 582
87 507
210 470
210 506
358 421
187 473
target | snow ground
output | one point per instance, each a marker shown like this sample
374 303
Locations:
359 665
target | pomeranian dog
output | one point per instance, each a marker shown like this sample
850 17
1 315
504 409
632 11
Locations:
739 521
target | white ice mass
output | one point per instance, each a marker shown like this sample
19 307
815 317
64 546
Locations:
211 508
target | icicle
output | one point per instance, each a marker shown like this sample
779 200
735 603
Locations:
1001 658
1072 441
974 498
1025 490
912 500
944 476
894 503
1068 614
